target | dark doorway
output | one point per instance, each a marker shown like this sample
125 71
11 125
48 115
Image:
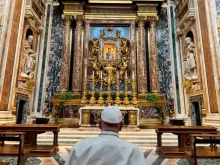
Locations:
196 111
21 110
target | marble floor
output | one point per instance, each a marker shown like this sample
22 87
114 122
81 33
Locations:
151 159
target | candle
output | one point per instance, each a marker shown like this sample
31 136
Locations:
126 74
133 75
93 74
85 73
101 75
117 74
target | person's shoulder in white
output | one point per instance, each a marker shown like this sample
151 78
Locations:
108 148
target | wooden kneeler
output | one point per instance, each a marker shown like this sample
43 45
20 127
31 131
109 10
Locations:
14 150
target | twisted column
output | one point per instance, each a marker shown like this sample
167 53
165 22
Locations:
76 85
66 55
153 56
142 78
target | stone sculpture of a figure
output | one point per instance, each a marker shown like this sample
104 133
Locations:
29 59
190 62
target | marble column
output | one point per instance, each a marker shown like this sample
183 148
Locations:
142 77
66 54
76 84
153 56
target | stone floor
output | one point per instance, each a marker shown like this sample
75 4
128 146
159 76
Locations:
151 159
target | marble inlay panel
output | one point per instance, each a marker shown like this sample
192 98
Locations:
166 85
44 59
148 112
53 74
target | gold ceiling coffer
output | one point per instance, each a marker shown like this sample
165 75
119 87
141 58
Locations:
65 63
153 55
142 77
77 65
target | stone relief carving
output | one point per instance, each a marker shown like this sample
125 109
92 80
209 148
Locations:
190 72
29 58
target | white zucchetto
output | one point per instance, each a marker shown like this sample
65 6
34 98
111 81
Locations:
111 114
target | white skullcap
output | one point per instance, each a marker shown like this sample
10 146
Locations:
111 114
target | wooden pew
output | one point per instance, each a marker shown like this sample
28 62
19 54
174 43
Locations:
184 143
14 150
203 152
31 132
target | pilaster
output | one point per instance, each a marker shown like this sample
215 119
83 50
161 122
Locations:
66 54
153 56
142 77
76 85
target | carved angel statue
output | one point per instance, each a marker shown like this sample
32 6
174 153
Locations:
190 62
123 67
96 67
118 33
124 45
29 59
94 48
111 70
102 33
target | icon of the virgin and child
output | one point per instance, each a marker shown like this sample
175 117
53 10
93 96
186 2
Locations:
110 54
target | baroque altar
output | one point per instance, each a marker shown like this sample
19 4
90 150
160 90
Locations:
108 64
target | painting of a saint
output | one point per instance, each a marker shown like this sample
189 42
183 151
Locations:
109 51
108 54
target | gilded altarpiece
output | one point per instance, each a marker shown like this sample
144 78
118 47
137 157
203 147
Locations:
109 75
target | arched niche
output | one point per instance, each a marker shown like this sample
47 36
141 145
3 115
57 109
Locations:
190 34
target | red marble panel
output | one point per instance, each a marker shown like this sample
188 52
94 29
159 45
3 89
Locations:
11 55
208 58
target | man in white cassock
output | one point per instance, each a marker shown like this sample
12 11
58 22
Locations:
108 148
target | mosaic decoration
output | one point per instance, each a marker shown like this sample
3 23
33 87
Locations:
53 74
166 85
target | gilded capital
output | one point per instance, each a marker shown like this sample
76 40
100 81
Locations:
67 20
79 20
141 21
152 20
